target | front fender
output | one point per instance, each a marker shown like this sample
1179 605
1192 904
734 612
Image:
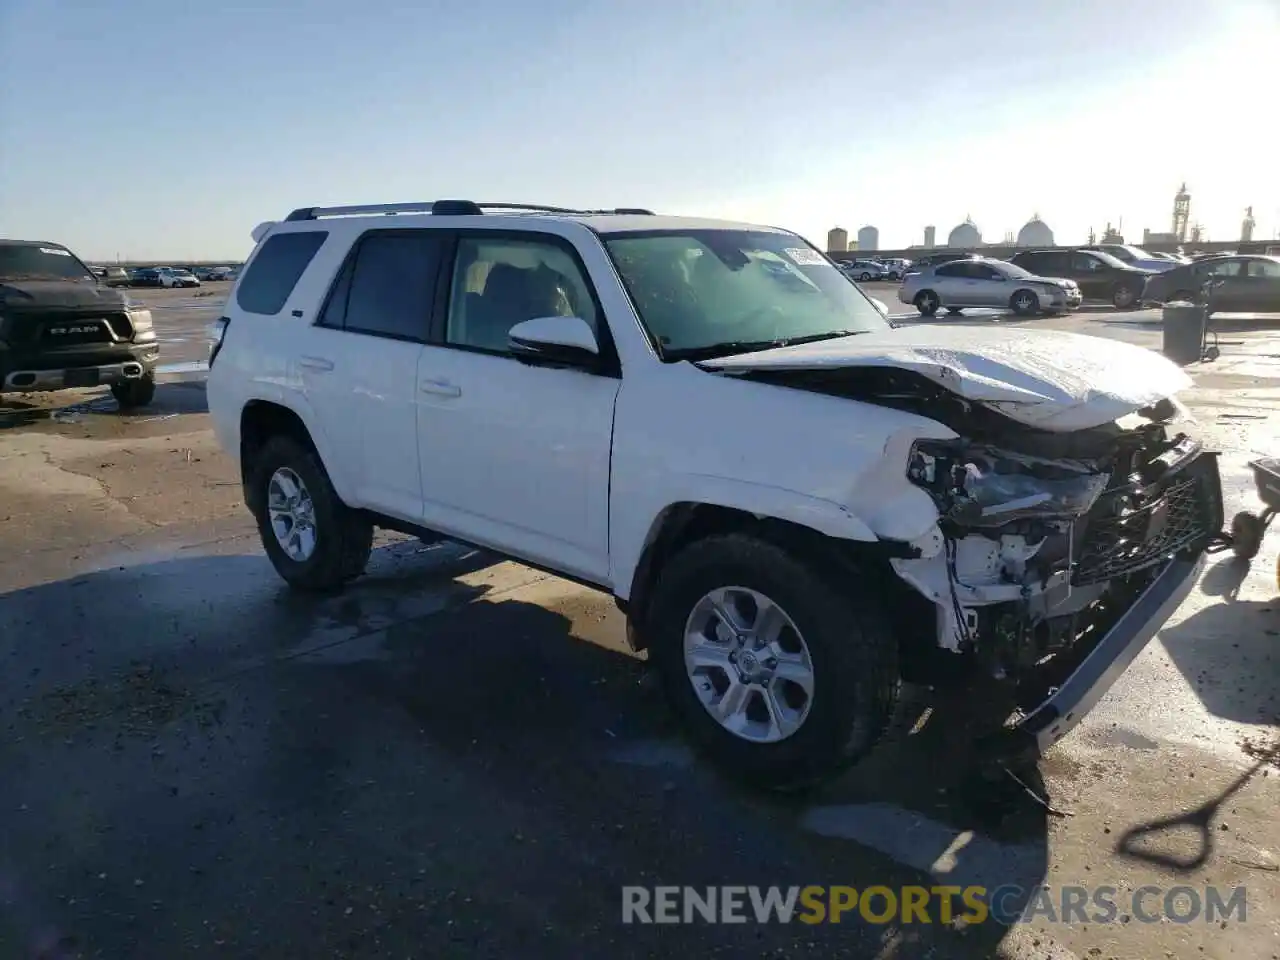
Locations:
635 529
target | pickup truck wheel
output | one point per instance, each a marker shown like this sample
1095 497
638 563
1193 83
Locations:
138 392
778 677
314 540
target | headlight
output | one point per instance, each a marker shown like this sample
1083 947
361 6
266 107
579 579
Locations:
979 486
140 318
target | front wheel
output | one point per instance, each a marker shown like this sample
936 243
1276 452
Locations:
1024 303
927 303
314 540
137 392
1124 297
778 677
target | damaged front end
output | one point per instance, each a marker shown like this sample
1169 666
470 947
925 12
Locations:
1053 572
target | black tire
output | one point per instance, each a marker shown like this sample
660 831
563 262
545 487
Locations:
864 276
131 394
1124 296
1024 303
853 653
344 537
927 303
1187 296
1246 535
953 311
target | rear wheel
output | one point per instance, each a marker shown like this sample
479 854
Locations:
1024 303
314 540
134 393
864 276
927 302
778 677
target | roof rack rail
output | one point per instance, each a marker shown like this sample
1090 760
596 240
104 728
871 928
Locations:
444 208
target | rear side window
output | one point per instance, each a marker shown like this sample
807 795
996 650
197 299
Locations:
274 272
387 287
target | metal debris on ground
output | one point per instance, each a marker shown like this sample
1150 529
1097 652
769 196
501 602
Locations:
1036 795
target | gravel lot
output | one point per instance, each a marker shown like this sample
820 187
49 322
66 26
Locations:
456 757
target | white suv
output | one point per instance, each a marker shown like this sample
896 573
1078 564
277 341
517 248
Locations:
797 506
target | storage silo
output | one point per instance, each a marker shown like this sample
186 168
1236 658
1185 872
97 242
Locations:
837 240
868 238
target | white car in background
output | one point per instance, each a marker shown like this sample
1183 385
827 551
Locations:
987 283
896 268
864 270
177 277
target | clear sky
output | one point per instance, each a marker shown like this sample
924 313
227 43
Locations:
167 130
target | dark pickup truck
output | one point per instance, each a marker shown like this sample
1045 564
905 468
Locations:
62 327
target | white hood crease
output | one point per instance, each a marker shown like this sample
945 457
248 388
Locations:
1043 378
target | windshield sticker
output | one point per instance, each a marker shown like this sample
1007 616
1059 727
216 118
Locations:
55 252
805 258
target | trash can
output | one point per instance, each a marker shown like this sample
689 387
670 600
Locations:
1184 329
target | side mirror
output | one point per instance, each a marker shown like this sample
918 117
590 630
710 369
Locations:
554 342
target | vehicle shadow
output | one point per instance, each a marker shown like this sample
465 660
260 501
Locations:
425 764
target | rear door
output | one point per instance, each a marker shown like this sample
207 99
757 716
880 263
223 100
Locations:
1092 274
952 283
360 363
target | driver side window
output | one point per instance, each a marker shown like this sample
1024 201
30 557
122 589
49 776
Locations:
500 281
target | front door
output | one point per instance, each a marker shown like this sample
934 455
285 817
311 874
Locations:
1262 285
517 456
1092 275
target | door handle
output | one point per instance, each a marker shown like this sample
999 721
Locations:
441 388
315 363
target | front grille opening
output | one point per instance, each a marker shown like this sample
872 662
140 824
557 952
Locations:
1127 533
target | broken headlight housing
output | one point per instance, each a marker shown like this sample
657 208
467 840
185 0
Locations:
982 486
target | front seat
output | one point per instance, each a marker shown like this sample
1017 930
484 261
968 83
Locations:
505 303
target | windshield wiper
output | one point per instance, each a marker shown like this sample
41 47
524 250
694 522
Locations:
730 347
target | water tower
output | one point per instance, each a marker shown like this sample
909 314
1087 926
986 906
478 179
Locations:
868 238
837 240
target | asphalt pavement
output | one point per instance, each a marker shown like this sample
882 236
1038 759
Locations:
458 757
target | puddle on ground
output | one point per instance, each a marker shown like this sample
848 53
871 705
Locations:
20 414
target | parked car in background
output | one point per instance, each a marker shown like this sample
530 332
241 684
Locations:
62 327
1099 275
1133 256
866 270
113 276
986 283
145 277
895 268
177 277
1242 284
221 274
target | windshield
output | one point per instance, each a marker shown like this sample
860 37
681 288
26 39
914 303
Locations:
30 262
708 293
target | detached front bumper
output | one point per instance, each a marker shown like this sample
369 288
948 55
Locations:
1063 709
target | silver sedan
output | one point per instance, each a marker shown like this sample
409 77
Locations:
987 283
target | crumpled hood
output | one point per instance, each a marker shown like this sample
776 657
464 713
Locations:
1043 378
59 294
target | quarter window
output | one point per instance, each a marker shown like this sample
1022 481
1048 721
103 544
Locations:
274 272
499 282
